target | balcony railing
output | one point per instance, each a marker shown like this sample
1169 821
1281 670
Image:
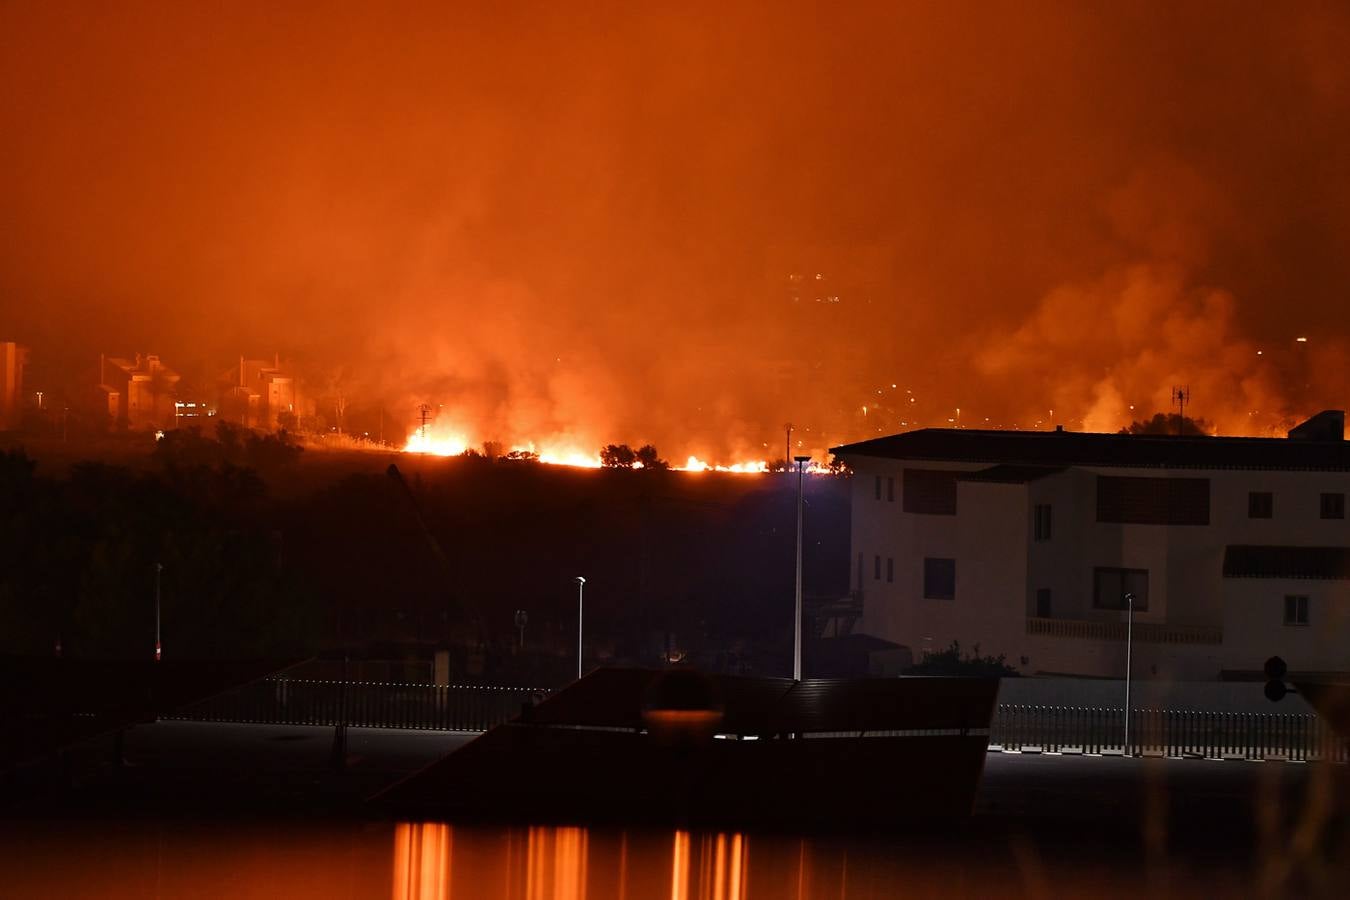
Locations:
1147 632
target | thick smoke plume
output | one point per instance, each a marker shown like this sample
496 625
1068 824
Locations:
691 226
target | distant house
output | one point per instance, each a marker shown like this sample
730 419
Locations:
1028 543
12 360
260 393
138 393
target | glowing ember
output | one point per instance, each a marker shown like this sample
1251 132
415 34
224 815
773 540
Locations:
563 455
436 445
694 464
569 458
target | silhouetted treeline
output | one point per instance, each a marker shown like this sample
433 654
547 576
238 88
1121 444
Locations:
1170 423
78 559
692 566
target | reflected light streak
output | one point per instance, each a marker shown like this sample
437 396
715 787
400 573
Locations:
679 867
422 861
556 859
723 867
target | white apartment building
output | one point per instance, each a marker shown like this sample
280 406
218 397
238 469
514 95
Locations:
1026 543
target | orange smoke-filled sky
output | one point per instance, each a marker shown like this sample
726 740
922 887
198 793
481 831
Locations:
606 221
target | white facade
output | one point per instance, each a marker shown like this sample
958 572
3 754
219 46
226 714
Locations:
1041 599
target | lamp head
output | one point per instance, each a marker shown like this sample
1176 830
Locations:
580 580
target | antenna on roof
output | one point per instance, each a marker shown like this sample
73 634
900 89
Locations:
1181 396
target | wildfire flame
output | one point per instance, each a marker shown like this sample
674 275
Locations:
457 444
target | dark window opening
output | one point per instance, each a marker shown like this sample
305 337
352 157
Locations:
939 578
1043 603
1260 505
930 492
1041 522
890 569
1110 585
1152 501
876 568
1295 610
890 490
878 487
1333 506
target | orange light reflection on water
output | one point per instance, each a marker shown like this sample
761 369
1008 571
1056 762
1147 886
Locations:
555 866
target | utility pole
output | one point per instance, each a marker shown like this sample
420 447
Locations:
1129 648
797 606
424 410
581 608
787 446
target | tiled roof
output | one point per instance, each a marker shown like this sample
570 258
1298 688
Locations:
1008 474
1073 448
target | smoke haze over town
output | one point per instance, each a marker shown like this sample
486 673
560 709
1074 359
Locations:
689 226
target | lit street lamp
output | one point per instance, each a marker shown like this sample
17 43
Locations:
521 618
1129 648
797 619
159 568
581 588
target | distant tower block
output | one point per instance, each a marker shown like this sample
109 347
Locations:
12 359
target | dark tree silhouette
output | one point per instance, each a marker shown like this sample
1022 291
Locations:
1170 423
617 456
650 459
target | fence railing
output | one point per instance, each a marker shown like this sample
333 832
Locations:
1146 632
1167 732
288 701
1050 729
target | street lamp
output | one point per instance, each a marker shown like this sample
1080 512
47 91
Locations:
159 568
521 618
581 607
797 619
1129 649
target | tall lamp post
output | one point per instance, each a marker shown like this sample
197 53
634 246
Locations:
1129 649
159 568
797 619
581 608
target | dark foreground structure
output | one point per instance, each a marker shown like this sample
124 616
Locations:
51 707
635 745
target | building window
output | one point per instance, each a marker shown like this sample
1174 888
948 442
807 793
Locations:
1296 609
1043 603
876 568
878 487
890 490
930 492
1152 501
1260 505
1333 506
860 571
939 578
1041 523
1110 585
890 569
